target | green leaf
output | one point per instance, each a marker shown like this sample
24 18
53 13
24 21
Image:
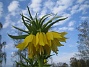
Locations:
43 19
46 57
21 30
26 59
50 21
49 26
47 65
25 23
30 13
21 64
26 17
18 37
37 22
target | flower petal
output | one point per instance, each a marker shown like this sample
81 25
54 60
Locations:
41 42
20 46
49 35
56 35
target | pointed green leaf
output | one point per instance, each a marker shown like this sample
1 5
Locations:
44 18
18 37
36 21
50 21
25 23
30 13
26 17
49 26
22 64
30 61
21 30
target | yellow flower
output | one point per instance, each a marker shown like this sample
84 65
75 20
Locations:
31 50
26 41
42 43
40 39
49 35
47 49
20 46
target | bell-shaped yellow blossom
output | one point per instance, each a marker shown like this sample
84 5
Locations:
56 35
42 43
45 38
27 40
31 50
49 42
20 46
49 35
54 47
57 42
41 39
47 49
37 39
63 39
34 40
39 49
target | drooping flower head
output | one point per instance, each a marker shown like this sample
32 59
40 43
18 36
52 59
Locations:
38 39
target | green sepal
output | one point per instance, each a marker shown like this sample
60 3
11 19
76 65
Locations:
49 26
18 37
43 19
21 30
25 22
50 22
47 56
21 64
30 13
47 65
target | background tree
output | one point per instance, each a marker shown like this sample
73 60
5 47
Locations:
87 63
18 54
78 62
73 62
83 41
2 45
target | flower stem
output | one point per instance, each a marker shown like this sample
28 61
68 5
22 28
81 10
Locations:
40 62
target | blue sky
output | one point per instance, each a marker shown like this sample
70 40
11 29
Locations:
76 10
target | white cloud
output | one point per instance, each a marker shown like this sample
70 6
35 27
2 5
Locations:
71 23
83 8
43 12
7 21
49 6
64 57
59 9
63 28
66 28
84 18
1 8
70 28
80 6
72 45
21 0
80 1
25 12
74 9
61 6
65 2
13 6
35 5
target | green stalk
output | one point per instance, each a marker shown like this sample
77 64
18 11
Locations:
40 62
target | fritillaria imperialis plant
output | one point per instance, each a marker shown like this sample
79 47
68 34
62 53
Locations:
38 40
